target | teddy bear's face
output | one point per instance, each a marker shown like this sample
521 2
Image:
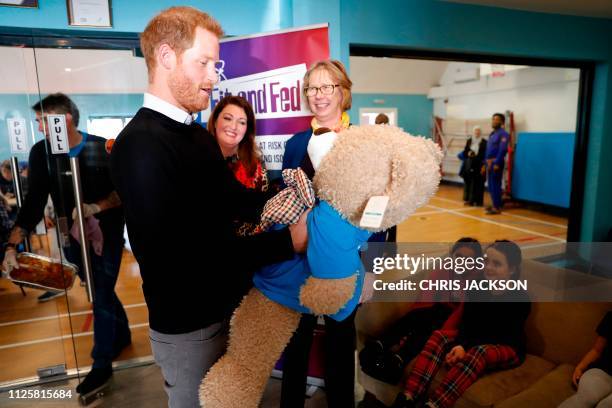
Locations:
376 160
320 144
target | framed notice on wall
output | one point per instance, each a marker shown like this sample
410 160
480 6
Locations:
89 13
19 3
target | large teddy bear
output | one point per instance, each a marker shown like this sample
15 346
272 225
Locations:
351 167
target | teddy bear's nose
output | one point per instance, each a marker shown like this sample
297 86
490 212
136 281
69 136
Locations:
321 131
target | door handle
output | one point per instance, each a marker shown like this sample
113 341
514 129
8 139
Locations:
78 200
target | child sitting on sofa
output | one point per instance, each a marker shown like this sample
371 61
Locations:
592 375
386 357
490 336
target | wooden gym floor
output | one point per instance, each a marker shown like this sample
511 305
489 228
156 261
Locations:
34 335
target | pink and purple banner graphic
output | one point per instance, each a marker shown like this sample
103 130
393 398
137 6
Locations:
268 69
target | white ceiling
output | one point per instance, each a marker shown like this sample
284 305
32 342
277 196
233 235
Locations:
395 75
587 8
72 71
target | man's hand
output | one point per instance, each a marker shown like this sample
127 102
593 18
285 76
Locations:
88 210
10 260
299 233
483 170
368 287
455 355
576 376
49 223
495 167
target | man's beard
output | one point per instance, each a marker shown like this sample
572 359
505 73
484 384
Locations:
186 93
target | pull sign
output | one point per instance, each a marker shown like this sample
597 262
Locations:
17 135
58 134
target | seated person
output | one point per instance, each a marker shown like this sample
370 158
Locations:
592 375
490 336
385 358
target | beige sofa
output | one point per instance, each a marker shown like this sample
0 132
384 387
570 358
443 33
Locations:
558 335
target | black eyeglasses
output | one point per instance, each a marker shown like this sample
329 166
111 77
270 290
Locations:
324 89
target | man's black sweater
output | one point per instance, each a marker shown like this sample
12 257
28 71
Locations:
180 201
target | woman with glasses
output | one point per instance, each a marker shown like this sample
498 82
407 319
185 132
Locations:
327 89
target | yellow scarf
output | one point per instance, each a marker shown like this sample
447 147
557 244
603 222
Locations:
343 124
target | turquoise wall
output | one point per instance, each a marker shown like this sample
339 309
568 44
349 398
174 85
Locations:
238 17
438 25
413 111
425 24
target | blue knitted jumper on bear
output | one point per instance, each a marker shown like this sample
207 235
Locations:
333 253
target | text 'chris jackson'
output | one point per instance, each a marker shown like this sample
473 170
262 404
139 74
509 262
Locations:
452 285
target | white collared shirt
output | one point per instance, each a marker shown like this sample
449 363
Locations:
167 109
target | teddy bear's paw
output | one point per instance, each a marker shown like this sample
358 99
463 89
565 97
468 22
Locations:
327 296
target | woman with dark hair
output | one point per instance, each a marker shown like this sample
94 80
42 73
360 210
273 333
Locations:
490 336
232 123
385 358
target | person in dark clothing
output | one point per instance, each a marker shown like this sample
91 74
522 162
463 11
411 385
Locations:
7 188
472 162
381 119
385 358
181 200
232 123
6 225
327 88
50 175
593 374
490 336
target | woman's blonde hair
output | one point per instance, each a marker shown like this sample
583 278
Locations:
337 71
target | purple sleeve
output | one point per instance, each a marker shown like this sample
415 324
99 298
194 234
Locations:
503 149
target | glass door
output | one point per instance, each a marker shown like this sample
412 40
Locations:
35 329
88 95
66 332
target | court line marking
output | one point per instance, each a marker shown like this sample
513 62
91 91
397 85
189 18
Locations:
541 245
486 220
552 224
438 211
38 319
58 338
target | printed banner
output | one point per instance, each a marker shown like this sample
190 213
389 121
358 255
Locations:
268 69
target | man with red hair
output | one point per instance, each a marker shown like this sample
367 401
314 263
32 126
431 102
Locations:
180 201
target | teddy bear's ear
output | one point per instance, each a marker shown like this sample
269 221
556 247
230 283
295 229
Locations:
397 177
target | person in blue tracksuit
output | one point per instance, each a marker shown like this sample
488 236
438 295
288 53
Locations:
497 147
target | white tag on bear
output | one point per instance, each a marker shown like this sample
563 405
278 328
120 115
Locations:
374 212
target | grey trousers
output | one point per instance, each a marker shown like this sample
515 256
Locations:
594 390
184 359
